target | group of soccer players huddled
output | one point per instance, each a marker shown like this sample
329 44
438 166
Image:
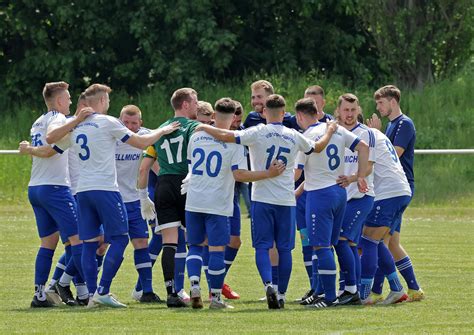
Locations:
98 182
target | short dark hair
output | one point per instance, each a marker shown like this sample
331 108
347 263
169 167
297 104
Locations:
349 97
275 101
181 95
225 106
315 90
50 90
239 110
389 92
306 106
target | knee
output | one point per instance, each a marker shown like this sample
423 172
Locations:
140 243
235 242
50 242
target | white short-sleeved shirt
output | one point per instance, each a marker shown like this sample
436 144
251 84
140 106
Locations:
127 161
351 160
73 169
211 187
52 170
94 140
269 142
390 180
322 169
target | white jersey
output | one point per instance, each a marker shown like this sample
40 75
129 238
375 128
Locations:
127 161
322 169
73 169
390 180
94 140
52 170
267 143
351 160
211 187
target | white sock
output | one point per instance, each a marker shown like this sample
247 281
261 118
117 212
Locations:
352 289
65 280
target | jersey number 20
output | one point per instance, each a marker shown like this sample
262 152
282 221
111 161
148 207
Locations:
201 156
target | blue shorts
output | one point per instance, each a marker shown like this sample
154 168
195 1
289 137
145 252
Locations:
398 219
234 220
55 210
385 212
98 208
273 223
200 225
300 211
137 227
354 217
324 214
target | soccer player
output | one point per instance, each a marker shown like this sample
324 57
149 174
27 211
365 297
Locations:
273 206
392 195
205 113
171 153
213 166
99 200
358 204
401 132
325 200
127 161
316 93
48 190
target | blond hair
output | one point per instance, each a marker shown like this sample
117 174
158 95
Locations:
50 90
181 95
131 110
262 84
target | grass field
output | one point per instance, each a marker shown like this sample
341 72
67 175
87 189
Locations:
438 240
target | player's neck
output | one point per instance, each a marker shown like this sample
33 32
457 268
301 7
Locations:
395 113
180 113
221 124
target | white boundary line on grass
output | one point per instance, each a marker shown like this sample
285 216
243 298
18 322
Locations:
417 151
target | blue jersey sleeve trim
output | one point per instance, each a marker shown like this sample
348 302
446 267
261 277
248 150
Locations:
125 138
235 167
189 161
58 149
354 144
300 166
237 139
310 151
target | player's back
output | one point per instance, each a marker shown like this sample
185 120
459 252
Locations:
351 160
389 178
171 149
94 141
322 169
52 170
127 162
267 143
211 187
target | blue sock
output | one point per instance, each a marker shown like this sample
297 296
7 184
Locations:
274 274
346 263
71 269
308 263
379 278
355 252
60 267
327 272
44 260
112 262
229 257
77 256
406 270
205 265
68 251
89 265
180 261
143 266
315 286
154 249
342 282
216 271
100 262
285 263
368 265
194 264
387 265
262 259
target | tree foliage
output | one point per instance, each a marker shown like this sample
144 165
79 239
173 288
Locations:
132 45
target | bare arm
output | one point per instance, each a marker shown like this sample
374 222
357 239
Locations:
143 172
323 141
56 134
223 135
399 151
363 150
44 151
276 169
143 141
298 173
344 181
299 191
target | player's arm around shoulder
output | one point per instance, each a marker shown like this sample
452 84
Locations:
275 169
143 141
220 134
320 145
44 151
56 133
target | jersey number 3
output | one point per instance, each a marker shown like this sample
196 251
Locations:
86 151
